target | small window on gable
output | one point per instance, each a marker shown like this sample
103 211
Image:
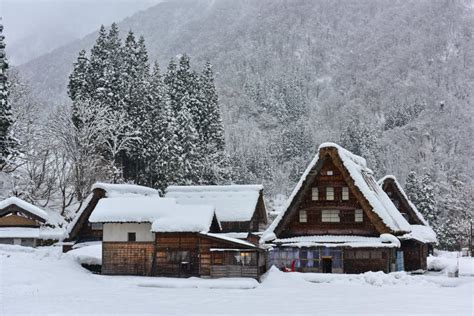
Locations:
315 194
358 216
330 172
132 237
330 216
330 193
345 193
303 217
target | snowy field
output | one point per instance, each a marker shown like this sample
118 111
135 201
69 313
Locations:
45 281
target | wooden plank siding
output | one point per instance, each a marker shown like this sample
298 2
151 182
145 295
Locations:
127 258
415 255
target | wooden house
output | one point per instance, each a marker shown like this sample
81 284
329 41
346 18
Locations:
337 219
158 237
239 208
417 244
21 223
80 229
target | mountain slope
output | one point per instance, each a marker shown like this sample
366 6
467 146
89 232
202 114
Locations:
292 74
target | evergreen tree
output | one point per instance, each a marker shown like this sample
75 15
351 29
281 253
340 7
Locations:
361 139
79 86
426 201
7 143
412 187
99 58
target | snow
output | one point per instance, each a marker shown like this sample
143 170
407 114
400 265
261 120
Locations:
450 262
363 179
232 202
55 283
113 189
91 254
184 218
421 233
24 205
127 209
32 232
233 240
384 241
402 192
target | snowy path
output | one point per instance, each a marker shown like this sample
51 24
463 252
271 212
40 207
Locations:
44 281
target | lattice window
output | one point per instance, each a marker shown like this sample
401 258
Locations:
358 216
330 193
345 193
315 194
330 216
303 217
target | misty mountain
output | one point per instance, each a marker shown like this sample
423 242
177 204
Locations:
292 74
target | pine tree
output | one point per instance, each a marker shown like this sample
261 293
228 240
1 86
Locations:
412 187
7 143
98 66
426 201
79 85
361 139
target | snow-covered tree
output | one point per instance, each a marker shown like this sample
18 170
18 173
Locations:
7 142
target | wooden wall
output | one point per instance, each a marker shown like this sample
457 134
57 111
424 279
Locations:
15 220
314 225
132 258
415 255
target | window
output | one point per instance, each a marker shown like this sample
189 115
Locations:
244 258
315 194
358 216
303 217
178 256
132 237
330 193
330 172
96 226
345 193
330 216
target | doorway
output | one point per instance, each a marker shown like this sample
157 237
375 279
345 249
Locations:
327 265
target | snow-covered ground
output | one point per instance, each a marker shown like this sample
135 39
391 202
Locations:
45 281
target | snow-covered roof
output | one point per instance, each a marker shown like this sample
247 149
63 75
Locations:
184 218
127 209
32 232
364 180
402 192
233 240
24 205
385 240
421 233
232 202
113 189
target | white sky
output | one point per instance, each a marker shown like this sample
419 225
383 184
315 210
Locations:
48 24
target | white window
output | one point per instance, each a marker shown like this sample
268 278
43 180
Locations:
358 216
315 194
330 216
330 193
330 172
303 217
345 193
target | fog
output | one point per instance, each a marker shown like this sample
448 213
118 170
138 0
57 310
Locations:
35 27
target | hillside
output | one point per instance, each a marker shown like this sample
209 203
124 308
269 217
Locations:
292 74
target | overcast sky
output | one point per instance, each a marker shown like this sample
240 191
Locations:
35 27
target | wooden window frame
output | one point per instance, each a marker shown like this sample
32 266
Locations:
131 236
327 193
345 195
358 216
303 216
315 194
330 216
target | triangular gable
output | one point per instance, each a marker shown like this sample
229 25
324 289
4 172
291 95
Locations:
390 181
376 205
14 204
